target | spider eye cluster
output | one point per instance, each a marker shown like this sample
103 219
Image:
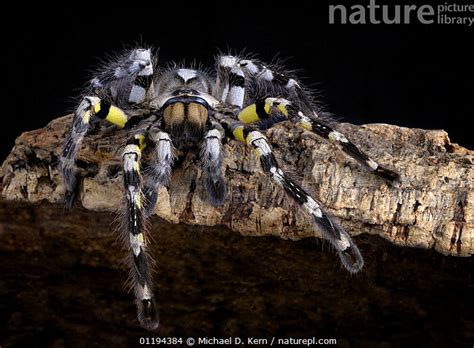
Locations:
177 79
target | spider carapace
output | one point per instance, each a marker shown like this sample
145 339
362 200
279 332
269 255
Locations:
177 109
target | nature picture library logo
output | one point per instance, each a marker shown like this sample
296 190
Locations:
373 13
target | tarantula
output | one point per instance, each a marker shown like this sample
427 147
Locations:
174 110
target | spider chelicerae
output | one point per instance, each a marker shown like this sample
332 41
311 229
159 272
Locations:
173 110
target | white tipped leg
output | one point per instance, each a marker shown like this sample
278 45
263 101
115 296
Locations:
160 170
72 143
212 159
346 249
140 270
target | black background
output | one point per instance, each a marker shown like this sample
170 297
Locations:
411 75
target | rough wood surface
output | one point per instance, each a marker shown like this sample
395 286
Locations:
432 207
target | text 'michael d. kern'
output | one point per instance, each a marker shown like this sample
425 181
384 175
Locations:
218 341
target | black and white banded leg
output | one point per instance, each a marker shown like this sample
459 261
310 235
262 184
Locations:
223 66
140 270
349 148
212 159
129 78
89 107
230 83
273 108
348 252
159 172
261 72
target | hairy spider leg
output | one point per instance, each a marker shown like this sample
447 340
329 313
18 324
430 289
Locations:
230 82
212 158
89 107
348 252
125 80
223 67
269 77
270 111
273 108
128 79
160 168
140 270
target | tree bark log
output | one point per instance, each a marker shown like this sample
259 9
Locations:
432 207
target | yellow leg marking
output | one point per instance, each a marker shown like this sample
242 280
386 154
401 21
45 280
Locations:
115 115
332 136
86 117
139 204
267 107
141 140
283 109
249 114
305 125
239 134
136 167
97 107
279 103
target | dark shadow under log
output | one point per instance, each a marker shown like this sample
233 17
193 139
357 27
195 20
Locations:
61 285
